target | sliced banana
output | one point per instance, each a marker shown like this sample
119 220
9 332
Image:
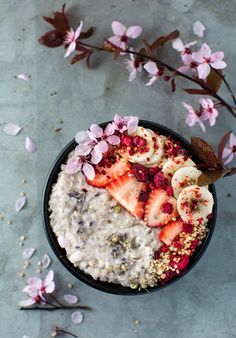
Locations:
143 157
184 177
172 165
195 204
158 150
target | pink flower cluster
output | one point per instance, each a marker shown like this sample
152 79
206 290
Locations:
94 143
206 111
37 288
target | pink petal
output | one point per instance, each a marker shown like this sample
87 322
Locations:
116 41
28 253
178 45
189 108
134 31
109 130
73 165
20 203
96 156
118 28
226 152
27 302
187 58
71 299
24 77
78 30
192 43
198 29
88 171
77 317
203 70
212 120
132 124
113 139
132 75
50 287
82 137
205 50
102 146
229 159
30 146
191 120
35 282
30 290
11 129
203 103
232 140
83 149
218 65
63 241
151 81
46 261
70 49
201 124
198 57
96 130
218 56
49 277
183 69
151 68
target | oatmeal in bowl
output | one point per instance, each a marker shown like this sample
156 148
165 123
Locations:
122 207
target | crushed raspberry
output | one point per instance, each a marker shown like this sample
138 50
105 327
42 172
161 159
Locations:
160 181
194 244
169 275
167 208
126 141
178 245
164 248
169 191
209 217
139 141
143 196
131 152
156 254
141 173
183 263
187 228
151 186
153 171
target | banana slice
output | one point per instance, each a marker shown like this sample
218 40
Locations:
158 150
142 158
172 165
195 204
184 177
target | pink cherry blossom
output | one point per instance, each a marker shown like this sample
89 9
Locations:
206 60
229 152
129 123
75 164
192 117
70 39
154 72
36 289
186 55
208 111
133 67
122 34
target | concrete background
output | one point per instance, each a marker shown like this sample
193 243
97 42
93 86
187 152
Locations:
203 304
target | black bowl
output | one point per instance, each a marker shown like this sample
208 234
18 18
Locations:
61 254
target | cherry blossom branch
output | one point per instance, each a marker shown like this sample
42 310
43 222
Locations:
80 307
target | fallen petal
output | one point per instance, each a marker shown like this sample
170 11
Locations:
71 299
30 146
198 29
11 129
20 203
26 337
77 317
28 253
63 242
24 77
46 261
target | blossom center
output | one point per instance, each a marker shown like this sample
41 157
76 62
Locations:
136 64
37 299
207 60
124 38
234 149
187 51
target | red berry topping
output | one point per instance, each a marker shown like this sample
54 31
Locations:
156 254
179 262
153 171
131 152
178 245
209 217
126 141
167 207
169 191
141 173
187 228
160 181
143 196
194 244
164 248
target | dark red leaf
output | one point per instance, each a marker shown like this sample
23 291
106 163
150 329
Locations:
59 21
160 41
196 91
229 172
88 60
148 47
205 153
78 57
214 80
222 145
173 85
87 34
51 39
209 177
80 47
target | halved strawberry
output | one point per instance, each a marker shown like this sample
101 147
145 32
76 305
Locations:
170 231
126 190
108 171
160 208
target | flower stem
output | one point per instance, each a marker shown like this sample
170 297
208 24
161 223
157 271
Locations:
81 307
67 332
57 301
51 304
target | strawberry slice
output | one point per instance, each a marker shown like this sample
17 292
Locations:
126 190
160 208
107 172
170 231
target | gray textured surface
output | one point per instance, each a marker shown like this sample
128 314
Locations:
203 304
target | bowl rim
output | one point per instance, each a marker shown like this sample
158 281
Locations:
60 252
